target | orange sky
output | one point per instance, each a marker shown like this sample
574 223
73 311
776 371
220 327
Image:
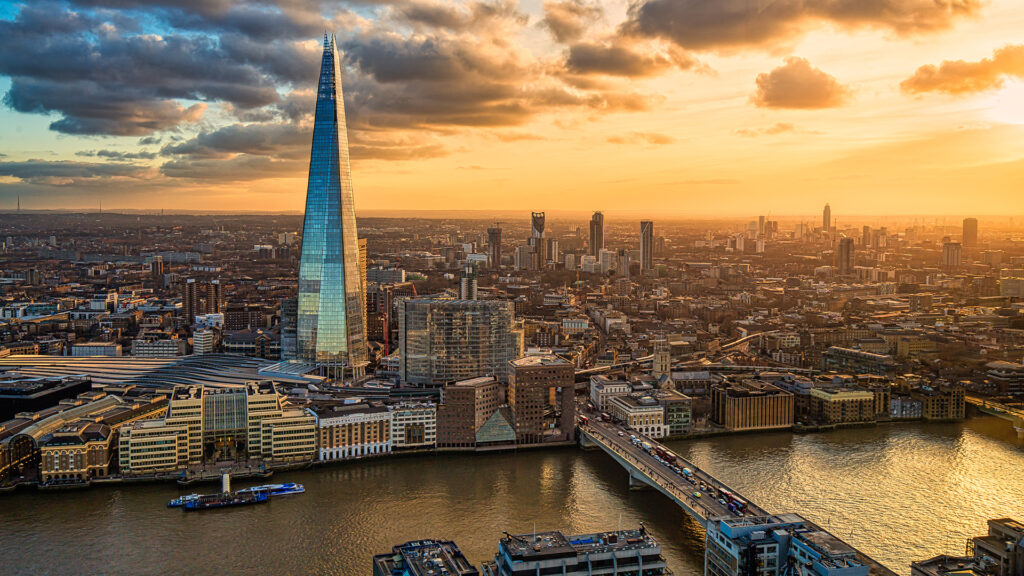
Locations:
600 109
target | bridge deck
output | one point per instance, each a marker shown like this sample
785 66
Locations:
701 502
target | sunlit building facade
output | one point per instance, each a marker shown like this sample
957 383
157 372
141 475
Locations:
331 325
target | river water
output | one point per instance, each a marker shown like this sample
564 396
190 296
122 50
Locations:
899 492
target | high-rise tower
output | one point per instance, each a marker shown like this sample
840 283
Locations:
646 245
970 236
826 218
331 320
596 234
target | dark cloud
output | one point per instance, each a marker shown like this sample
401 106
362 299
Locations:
254 139
568 19
734 24
67 172
652 138
797 84
118 154
963 77
621 60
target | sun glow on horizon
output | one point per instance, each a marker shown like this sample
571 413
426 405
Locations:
1007 106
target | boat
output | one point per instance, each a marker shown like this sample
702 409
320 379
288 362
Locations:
226 499
276 489
181 500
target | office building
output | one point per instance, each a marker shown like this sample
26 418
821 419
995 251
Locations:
952 255
26 394
413 425
647 245
1002 548
468 283
942 403
970 234
205 423
751 405
642 413
678 416
849 360
331 322
596 234
494 247
203 342
606 261
826 218
465 408
541 394
841 405
619 552
772 545
96 349
158 345
844 257
201 297
347 431
603 389
447 340
424 558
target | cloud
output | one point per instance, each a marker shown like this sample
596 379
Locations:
797 84
726 25
774 130
963 77
620 60
652 138
67 172
118 154
568 19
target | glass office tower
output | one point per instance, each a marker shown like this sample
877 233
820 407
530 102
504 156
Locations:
331 323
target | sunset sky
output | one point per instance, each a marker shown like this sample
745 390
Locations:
658 107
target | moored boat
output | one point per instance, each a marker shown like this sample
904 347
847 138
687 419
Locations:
276 489
226 499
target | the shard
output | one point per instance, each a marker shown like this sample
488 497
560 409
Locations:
331 324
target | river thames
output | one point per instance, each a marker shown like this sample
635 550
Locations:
898 492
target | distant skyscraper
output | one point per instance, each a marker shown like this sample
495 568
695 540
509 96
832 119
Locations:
865 237
331 326
537 239
952 255
970 238
494 247
201 298
760 225
646 246
468 283
596 234
845 256
826 218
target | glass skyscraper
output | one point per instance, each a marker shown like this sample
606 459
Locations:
331 322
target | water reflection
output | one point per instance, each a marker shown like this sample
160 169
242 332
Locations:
900 492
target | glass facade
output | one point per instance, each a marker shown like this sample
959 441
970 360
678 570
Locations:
331 323
447 340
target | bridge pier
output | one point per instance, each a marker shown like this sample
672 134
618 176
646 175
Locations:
586 443
1020 433
638 481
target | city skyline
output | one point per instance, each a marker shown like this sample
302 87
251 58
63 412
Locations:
609 107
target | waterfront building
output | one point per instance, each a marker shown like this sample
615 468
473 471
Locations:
447 340
942 403
945 565
847 360
348 431
751 405
841 405
331 315
465 407
596 234
1002 548
413 425
646 246
641 413
541 394
619 552
207 423
79 451
603 389
771 545
905 408
1008 376
424 558
678 412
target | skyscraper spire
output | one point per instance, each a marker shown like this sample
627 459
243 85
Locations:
331 323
